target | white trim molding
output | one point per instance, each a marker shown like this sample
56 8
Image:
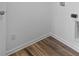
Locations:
27 44
71 45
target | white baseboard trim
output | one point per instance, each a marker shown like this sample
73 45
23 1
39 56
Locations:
39 39
27 44
71 45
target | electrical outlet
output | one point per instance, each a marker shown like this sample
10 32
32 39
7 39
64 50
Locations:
13 36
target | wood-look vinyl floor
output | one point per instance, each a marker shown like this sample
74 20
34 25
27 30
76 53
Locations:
47 47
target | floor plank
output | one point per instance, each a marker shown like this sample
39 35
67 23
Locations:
47 47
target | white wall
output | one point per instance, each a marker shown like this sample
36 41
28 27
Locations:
27 21
63 26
